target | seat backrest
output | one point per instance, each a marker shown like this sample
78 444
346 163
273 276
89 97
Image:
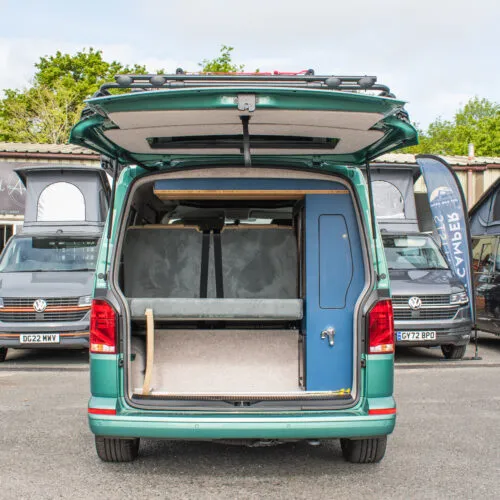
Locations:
259 262
162 261
165 261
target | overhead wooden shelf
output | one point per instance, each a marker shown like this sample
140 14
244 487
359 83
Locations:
239 194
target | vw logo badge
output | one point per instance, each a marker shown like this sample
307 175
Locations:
415 303
39 305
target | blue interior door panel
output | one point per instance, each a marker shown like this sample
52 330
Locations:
335 277
333 237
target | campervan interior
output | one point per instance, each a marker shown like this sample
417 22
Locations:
216 282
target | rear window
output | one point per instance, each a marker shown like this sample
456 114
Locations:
59 194
413 252
388 200
31 254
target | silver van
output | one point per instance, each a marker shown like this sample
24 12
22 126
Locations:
47 270
431 305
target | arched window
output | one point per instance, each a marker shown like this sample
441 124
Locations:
388 200
61 201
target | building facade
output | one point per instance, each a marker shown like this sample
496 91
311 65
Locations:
476 174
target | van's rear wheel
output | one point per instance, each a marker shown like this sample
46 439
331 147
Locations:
116 449
3 354
364 451
453 351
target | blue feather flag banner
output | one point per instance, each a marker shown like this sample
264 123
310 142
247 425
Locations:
449 212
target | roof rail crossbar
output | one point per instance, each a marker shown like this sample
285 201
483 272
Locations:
298 80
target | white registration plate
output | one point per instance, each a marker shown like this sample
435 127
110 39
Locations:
417 336
39 338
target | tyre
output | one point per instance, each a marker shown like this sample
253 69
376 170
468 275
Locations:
116 449
3 354
453 351
364 451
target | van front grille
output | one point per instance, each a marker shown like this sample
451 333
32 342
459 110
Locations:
28 301
427 300
423 314
19 317
429 310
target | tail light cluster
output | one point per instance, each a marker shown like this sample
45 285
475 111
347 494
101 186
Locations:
102 328
381 328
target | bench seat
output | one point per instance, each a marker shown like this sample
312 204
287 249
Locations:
234 309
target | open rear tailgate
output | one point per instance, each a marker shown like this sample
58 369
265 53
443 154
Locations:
245 119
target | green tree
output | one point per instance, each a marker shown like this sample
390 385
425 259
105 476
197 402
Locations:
46 111
39 114
221 64
478 122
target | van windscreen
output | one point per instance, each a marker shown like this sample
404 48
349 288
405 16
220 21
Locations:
34 254
413 252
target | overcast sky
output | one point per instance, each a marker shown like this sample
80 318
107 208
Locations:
435 54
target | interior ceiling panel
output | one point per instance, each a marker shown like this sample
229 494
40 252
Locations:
336 119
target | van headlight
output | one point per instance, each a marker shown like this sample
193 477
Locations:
459 298
1 302
86 300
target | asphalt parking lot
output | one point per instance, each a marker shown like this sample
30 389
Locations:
446 443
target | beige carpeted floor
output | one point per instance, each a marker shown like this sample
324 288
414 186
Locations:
220 361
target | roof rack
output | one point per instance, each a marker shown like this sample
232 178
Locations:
302 79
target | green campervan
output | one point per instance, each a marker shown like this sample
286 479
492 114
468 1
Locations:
241 289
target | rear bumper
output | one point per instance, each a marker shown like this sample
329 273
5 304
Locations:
338 424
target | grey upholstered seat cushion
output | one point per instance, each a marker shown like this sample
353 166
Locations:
235 309
162 271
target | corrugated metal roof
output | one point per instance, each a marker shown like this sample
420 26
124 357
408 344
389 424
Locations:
452 160
20 147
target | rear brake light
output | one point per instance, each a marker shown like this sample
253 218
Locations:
102 328
102 411
381 328
382 411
